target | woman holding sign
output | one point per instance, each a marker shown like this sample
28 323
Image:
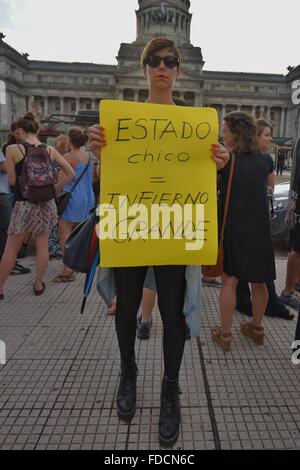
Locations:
248 249
161 66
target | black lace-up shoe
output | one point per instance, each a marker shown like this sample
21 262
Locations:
126 397
169 419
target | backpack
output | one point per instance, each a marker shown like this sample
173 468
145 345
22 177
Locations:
38 176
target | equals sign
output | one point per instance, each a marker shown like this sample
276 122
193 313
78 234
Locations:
157 179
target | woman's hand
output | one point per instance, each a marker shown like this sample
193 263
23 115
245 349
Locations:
96 140
220 155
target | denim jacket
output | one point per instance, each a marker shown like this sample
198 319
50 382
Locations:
192 308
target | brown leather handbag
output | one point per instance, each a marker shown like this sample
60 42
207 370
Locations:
217 269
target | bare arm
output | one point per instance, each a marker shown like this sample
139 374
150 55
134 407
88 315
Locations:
68 172
11 165
3 167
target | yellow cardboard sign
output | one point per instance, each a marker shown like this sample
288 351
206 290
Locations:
158 203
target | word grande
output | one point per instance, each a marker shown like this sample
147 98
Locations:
158 222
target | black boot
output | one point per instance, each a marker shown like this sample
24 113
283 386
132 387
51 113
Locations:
126 397
169 419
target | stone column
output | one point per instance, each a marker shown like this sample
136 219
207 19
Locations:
120 94
198 100
46 106
136 95
77 104
62 108
223 112
268 114
282 122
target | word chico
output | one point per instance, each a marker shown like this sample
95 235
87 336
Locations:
168 157
158 129
296 92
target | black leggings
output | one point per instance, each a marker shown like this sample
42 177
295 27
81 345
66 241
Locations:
170 282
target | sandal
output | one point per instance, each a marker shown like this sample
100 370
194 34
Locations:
218 337
248 330
61 278
19 269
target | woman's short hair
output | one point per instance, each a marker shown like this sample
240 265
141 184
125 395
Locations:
78 136
261 125
243 126
28 123
157 44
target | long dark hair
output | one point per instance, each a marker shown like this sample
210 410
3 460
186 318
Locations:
243 126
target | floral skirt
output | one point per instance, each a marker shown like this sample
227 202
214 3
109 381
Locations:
33 218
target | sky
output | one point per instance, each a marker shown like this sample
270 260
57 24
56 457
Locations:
235 35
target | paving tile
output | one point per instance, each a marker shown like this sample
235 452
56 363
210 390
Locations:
58 388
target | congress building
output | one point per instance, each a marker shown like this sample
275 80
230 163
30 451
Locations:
61 87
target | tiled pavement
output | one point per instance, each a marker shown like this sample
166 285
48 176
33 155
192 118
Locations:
57 390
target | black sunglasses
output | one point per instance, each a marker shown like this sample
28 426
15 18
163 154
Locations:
154 61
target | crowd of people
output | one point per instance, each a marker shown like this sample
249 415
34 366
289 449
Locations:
245 172
21 217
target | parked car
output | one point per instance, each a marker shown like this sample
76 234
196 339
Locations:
279 230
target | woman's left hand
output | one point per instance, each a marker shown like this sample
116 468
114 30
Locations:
220 155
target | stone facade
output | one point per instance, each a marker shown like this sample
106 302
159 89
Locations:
58 87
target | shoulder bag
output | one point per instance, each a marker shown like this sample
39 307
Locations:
217 269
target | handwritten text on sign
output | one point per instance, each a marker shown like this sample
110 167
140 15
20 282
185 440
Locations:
158 185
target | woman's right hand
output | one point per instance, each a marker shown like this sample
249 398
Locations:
96 140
